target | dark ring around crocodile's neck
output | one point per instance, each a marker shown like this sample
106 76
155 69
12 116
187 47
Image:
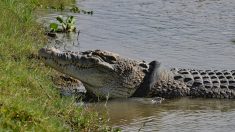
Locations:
149 80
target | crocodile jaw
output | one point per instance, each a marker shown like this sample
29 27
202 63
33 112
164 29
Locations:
90 73
101 73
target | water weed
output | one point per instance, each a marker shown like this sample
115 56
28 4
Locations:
76 9
67 25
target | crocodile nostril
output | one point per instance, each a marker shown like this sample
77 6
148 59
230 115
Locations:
89 54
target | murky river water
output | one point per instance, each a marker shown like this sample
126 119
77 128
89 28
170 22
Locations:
178 33
177 115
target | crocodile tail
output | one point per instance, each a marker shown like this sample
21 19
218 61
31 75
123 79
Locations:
207 83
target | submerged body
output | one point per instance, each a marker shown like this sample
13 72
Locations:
106 74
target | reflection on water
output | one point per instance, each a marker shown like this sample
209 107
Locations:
172 115
179 33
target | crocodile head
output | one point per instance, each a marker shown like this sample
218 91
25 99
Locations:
103 73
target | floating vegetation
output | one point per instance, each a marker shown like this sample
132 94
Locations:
87 12
73 9
66 25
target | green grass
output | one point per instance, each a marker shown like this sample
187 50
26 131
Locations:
28 100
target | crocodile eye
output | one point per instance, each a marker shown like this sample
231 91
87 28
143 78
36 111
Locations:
96 53
111 58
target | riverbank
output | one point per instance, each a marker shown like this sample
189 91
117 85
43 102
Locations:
28 99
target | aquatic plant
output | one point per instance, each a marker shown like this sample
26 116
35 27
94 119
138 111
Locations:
54 27
87 12
75 9
68 24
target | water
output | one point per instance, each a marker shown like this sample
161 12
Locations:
178 33
172 115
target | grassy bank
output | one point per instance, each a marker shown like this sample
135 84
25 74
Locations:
28 100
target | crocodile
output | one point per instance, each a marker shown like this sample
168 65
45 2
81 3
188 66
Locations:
107 74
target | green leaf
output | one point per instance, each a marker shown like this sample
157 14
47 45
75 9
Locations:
73 28
60 19
69 19
54 26
64 26
72 21
68 25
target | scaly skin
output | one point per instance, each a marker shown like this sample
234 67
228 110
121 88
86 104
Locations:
106 74
195 83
